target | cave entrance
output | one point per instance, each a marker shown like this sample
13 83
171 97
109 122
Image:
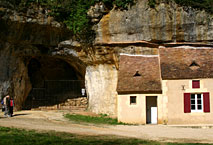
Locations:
54 82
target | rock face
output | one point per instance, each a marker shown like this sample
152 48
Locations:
22 40
167 22
101 82
140 30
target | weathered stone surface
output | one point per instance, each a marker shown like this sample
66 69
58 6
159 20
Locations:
33 14
21 84
101 81
32 33
97 11
165 22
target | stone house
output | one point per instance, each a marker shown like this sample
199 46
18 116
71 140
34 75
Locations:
173 87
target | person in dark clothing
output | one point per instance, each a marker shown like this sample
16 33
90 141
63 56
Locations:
11 107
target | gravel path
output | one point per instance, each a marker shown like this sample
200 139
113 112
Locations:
54 121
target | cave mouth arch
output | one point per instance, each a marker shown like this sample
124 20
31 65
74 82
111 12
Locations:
53 81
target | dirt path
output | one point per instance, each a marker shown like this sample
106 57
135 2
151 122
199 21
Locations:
54 120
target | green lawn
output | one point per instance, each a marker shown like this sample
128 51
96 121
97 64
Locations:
11 136
101 119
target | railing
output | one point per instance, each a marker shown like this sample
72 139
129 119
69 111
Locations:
54 92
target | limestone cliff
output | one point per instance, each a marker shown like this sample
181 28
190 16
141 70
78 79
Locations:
167 22
34 35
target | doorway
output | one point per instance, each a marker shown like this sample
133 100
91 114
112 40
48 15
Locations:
151 110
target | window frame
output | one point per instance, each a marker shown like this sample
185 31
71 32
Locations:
196 102
131 98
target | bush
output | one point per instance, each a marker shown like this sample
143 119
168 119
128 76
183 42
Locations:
206 5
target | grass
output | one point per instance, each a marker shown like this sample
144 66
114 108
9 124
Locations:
101 119
11 136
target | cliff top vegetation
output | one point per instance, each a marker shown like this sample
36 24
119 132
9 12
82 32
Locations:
206 5
73 13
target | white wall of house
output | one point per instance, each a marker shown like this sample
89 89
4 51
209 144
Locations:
136 113
173 91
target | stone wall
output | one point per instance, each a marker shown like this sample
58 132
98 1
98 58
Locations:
79 104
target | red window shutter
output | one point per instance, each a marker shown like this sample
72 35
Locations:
206 100
195 84
187 103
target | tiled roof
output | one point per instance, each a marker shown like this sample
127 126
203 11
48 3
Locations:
138 74
186 63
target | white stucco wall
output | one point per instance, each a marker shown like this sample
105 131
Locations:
136 113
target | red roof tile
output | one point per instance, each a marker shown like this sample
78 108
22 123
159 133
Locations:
186 63
132 66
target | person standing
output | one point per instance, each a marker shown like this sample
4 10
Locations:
4 104
7 106
11 107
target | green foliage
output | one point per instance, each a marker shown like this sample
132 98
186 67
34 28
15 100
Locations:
124 4
152 3
206 5
102 119
78 20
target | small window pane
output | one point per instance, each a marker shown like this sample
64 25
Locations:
192 96
192 101
198 96
199 102
193 107
199 107
196 102
132 99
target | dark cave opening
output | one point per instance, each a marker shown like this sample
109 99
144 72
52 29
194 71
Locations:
53 81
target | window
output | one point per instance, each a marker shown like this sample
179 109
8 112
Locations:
195 84
199 102
137 74
194 63
194 66
132 100
196 102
